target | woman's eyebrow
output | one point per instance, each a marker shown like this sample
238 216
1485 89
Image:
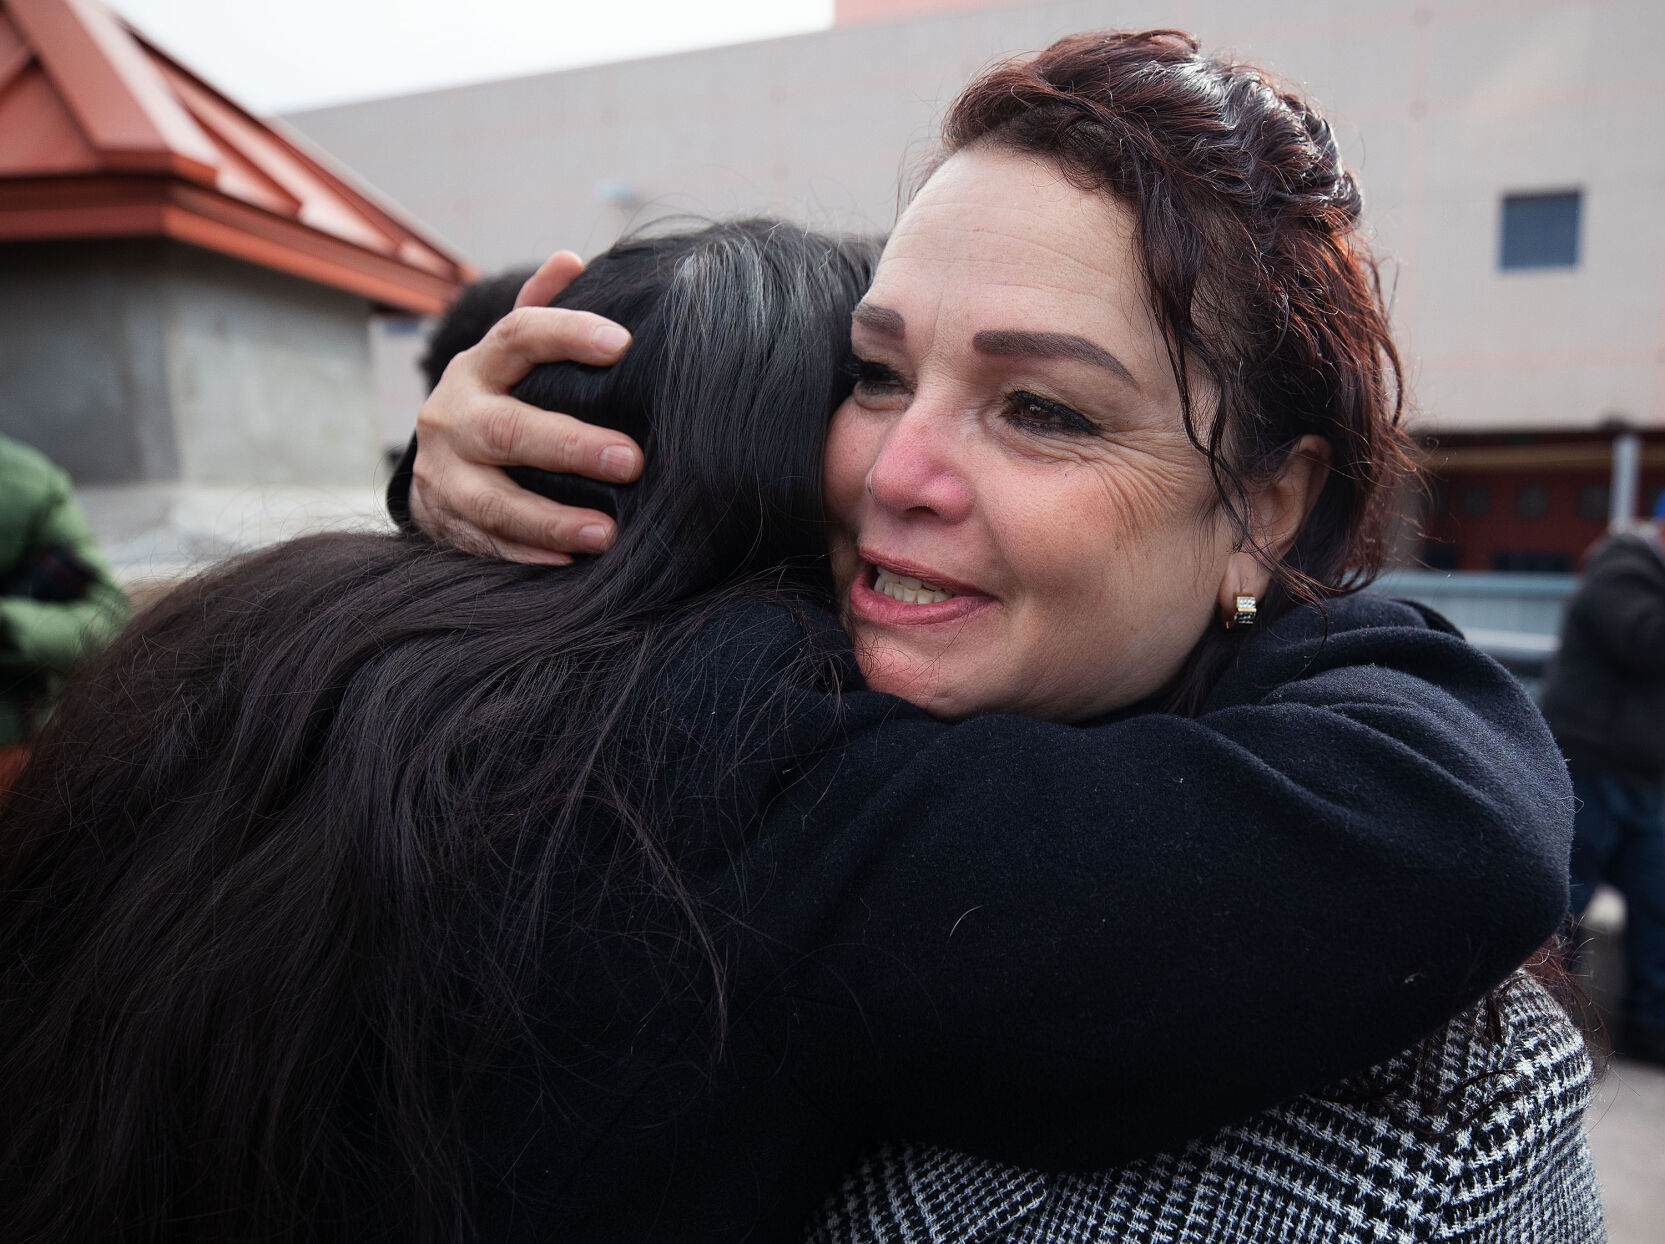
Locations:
881 320
1050 346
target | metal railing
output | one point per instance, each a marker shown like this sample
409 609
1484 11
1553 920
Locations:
1514 618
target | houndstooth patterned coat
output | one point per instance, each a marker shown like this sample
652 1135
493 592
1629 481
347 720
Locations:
1478 1139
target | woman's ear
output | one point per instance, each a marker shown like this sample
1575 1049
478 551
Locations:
1276 511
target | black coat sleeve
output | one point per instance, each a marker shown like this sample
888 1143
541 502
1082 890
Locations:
1062 946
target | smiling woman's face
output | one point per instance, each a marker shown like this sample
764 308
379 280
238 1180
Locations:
1015 443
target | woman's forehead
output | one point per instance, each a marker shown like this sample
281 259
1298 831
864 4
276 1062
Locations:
996 236
1011 199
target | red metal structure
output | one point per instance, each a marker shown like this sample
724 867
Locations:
1526 501
102 135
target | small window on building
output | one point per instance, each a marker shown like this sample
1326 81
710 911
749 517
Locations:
1477 501
1532 501
1593 502
1541 230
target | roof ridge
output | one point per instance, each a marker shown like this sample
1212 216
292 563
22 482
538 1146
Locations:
112 136
112 89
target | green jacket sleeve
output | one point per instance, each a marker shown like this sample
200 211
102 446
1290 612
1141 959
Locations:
48 636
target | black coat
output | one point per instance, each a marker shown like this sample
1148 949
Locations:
1604 694
1052 945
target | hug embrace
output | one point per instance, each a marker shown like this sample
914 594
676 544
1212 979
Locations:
956 792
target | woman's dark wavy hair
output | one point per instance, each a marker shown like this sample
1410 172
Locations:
1248 229
277 876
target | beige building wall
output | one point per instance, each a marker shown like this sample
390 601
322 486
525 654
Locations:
1442 107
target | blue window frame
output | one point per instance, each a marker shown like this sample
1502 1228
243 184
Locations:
1541 230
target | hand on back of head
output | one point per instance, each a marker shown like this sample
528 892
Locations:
470 428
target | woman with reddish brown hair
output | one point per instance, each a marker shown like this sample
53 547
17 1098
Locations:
1075 807
1124 371
1125 366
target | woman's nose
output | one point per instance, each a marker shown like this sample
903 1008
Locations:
918 468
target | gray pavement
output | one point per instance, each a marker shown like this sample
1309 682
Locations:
1626 1119
1626 1125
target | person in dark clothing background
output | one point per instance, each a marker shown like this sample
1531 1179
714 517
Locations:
1604 697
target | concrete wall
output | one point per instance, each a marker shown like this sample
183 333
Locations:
270 376
1442 109
135 361
83 359
397 344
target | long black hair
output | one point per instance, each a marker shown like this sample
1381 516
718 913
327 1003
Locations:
278 874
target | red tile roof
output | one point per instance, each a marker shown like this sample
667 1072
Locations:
103 135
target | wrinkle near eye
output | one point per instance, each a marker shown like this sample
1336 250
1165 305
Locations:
1144 498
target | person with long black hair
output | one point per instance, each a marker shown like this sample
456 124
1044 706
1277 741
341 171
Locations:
341 827
371 890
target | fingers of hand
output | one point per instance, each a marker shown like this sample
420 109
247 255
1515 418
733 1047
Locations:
483 511
553 276
469 425
528 336
509 551
506 432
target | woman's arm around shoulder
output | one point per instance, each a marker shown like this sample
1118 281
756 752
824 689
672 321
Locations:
1063 945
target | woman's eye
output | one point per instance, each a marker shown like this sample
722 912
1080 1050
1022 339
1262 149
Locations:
1034 413
874 380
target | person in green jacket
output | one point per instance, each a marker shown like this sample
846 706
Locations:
57 599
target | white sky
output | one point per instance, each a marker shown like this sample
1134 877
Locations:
308 53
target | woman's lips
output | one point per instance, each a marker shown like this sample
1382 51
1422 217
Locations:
869 604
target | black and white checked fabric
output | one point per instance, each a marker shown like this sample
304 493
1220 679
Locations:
1478 1139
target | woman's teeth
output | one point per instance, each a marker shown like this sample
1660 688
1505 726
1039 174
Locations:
907 589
